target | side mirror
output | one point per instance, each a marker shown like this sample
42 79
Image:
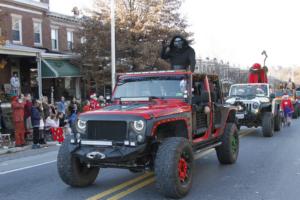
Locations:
272 96
204 97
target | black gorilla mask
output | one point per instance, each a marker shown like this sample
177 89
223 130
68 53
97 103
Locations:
178 43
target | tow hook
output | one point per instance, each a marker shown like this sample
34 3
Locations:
95 155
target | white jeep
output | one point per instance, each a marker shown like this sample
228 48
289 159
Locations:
256 106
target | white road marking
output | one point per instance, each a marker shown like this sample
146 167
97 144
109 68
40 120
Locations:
200 155
28 167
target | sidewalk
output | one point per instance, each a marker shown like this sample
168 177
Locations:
27 147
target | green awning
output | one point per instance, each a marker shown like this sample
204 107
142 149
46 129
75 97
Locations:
58 69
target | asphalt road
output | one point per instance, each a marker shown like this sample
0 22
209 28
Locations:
267 169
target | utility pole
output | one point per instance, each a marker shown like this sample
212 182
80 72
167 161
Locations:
39 77
113 44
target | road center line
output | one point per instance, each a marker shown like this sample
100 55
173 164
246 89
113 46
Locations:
132 189
121 186
28 167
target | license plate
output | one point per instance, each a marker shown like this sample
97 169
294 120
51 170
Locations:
240 116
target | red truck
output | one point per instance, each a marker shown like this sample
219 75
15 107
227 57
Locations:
157 121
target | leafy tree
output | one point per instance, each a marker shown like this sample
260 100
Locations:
141 26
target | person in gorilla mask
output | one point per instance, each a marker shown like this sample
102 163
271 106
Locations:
180 55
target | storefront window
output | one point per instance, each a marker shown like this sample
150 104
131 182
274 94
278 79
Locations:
68 83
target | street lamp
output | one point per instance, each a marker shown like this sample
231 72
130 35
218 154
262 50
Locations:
113 44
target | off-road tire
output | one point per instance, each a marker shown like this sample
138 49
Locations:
268 124
166 166
228 151
277 122
71 170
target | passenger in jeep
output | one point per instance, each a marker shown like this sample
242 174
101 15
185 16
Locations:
179 53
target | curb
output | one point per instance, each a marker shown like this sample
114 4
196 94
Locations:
18 149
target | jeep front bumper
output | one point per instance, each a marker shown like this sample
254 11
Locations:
109 156
248 119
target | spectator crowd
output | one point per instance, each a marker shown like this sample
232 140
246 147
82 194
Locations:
43 121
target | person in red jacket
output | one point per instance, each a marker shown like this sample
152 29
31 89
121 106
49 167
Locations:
287 107
87 106
18 119
258 74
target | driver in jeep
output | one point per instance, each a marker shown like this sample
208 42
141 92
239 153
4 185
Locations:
180 55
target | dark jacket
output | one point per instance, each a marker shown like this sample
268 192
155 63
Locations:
35 116
27 109
72 119
184 57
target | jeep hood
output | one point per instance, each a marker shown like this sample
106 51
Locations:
147 110
232 100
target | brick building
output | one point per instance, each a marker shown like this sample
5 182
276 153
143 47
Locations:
37 44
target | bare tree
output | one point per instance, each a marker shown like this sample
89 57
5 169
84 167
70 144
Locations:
141 26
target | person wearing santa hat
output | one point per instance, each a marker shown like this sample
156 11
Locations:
258 74
94 104
287 108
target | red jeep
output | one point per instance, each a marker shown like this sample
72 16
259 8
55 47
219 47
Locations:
157 121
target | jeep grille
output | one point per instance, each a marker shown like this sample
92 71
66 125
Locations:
248 107
107 130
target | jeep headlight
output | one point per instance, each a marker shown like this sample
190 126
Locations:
81 126
138 126
138 131
239 108
255 105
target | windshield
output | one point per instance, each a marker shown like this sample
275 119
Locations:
160 87
249 90
298 93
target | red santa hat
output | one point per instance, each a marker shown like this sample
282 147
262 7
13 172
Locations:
256 66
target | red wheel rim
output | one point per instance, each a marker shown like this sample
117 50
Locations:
182 169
